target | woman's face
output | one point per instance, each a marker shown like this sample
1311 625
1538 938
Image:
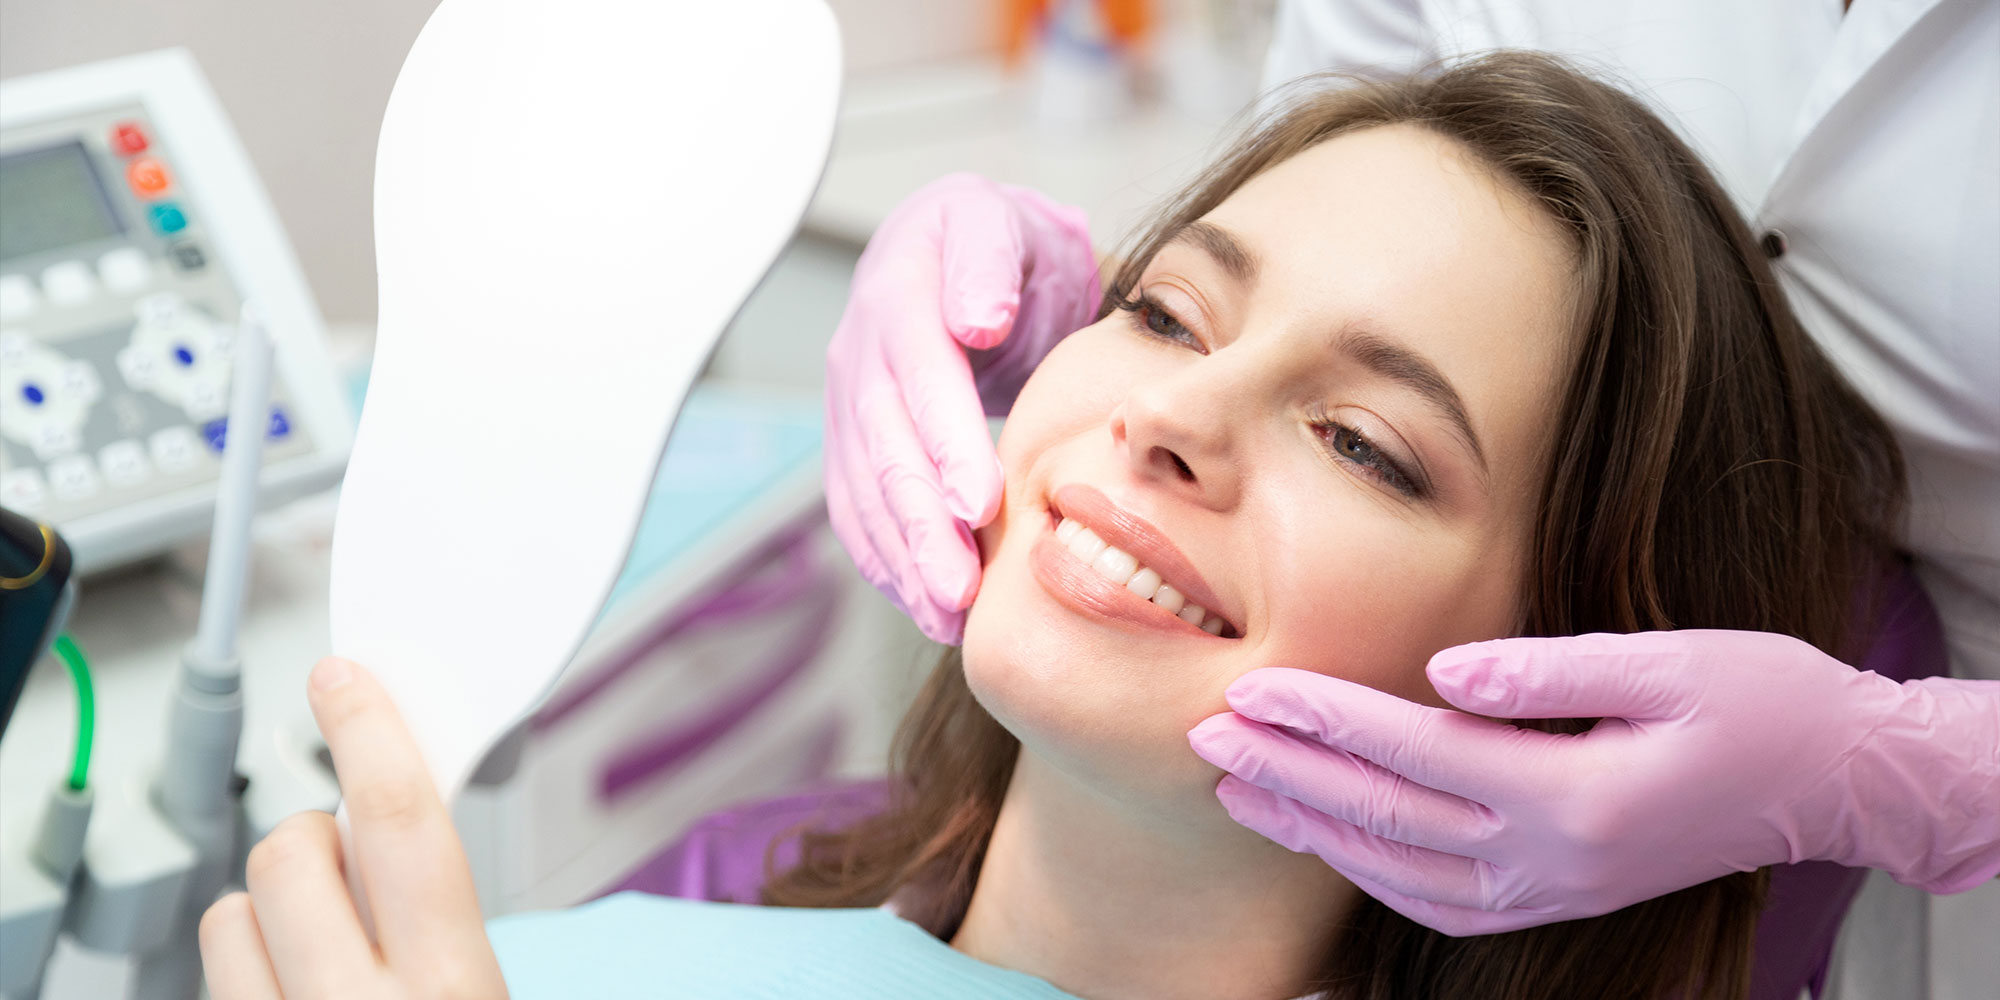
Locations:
1326 422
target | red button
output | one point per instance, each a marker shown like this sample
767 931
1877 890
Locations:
127 139
147 175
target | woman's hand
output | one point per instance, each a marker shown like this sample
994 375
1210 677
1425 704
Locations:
962 264
296 934
1716 752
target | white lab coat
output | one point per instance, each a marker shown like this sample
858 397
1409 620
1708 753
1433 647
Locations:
1871 142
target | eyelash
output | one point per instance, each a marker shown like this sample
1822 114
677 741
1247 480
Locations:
1341 439
1144 309
1377 463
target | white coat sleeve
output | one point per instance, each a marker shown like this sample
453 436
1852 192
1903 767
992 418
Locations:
1366 37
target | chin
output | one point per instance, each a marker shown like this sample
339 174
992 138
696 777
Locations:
1087 700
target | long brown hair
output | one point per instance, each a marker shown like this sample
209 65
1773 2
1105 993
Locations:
1712 471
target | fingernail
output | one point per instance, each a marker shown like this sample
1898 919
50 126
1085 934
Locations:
959 590
984 335
1213 740
1209 729
1468 656
1241 689
964 507
1227 797
331 673
951 576
942 627
959 507
990 325
1485 690
1462 670
1237 797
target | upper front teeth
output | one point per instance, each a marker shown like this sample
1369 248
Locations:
1123 568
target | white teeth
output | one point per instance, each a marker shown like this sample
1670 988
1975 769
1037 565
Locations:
1086 545
1115 564
1123 568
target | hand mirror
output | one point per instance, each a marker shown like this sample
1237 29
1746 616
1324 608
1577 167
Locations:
571 202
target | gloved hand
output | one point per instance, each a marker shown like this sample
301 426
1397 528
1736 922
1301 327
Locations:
963 263
1718 752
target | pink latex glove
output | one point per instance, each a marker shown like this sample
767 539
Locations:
964 263
1718 752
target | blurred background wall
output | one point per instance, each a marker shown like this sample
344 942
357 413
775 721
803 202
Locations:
927 91
305 82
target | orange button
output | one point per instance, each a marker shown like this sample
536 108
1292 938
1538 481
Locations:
148 176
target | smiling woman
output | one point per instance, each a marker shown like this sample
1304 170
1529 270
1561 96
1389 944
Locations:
1481 353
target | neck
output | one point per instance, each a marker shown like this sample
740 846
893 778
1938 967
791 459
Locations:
1108 903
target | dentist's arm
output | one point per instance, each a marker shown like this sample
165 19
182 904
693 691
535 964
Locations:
963 265
1718 752
297 934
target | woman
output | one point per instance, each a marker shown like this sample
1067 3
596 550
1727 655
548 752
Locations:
1862 139
1472 355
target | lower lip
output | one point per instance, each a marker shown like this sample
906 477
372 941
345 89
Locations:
1076 586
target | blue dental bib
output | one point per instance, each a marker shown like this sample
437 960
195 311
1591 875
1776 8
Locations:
633 945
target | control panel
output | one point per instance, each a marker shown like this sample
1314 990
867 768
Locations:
114 363
129 241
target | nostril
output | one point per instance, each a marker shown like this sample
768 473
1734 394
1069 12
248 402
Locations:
1186 473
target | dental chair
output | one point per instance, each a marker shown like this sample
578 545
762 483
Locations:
722 857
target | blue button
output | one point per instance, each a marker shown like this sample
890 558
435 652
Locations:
183 355
216 433
167 217
33 393
279 425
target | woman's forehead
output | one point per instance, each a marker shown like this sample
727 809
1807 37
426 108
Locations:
1403 227
1400 196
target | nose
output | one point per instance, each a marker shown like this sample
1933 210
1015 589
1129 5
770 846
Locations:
1180 438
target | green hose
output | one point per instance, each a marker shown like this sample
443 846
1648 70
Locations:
86 710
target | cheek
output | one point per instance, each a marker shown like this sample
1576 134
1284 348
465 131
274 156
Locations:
1373 602
1072 391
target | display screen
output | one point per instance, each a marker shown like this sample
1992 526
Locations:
52 198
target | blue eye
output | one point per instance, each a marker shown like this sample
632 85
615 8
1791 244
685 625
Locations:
1156 321
1350 445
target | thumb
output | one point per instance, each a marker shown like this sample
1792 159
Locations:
1643 675
980 250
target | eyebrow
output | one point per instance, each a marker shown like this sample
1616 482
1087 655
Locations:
1401 365
1383 357
1223 246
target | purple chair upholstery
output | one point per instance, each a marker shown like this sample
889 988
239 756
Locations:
722 856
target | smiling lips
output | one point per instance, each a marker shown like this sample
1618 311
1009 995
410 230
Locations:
1122 568
1103 559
